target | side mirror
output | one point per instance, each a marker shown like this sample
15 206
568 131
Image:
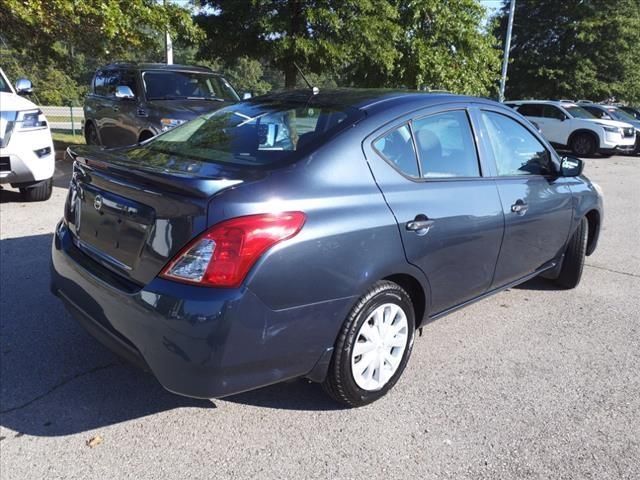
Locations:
247 95
123 92
571 167
24 86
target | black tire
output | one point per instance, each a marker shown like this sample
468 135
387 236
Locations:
573 262
340 383
584 144
91 135
38 192
144 136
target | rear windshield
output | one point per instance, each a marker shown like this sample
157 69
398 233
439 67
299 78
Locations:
257 133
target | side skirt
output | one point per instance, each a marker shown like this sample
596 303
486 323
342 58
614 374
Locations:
549 266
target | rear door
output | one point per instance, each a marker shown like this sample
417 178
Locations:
537 204
557 129
449 216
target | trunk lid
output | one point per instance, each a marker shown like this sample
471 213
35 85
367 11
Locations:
133 212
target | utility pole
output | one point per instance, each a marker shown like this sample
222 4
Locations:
168 46
507 47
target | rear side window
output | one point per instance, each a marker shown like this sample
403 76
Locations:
516 150
397 147
530 110
445 146
106 82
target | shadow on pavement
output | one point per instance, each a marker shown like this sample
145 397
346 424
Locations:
61 177
55 378
538 283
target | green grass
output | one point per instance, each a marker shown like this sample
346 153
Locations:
62 139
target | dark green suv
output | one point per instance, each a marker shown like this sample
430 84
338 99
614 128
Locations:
130 103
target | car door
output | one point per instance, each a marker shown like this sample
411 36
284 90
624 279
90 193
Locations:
449 216
555 125
537 203
106 110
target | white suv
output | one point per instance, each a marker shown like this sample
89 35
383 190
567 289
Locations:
567 125
27 158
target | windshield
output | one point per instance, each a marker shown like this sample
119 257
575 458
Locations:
620 114
578 112
4 86
171 85
258 133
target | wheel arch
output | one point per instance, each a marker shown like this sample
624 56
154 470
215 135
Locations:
593 222
416 292
580 131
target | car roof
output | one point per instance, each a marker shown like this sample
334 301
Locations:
366 99
557 103
158 66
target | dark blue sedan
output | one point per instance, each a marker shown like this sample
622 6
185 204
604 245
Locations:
302 235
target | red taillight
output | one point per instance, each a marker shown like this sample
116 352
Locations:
223 255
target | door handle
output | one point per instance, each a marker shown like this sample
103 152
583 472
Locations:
115 108
421 225
519 208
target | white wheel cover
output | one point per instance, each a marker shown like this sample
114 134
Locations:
379 347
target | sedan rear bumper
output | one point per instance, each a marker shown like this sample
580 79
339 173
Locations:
198 342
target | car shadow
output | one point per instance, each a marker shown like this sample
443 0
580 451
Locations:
538 283
61 178
57 380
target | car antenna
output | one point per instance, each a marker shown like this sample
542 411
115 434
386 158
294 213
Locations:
315 90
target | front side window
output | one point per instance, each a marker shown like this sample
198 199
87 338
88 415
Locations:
174 85
397 147
596 112
550 111
445 146
516 150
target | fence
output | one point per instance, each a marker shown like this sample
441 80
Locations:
64 118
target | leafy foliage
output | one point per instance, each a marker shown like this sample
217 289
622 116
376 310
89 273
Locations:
574 49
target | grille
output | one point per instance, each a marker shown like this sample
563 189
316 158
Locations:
5 164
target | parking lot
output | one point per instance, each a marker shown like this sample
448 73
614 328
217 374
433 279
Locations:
531 383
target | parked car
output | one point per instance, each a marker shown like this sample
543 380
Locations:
611 112
27 157
633 111
130 103
569 126
300 235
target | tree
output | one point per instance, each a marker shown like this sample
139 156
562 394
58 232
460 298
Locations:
574 49
321 36
444 47
100 28
246 76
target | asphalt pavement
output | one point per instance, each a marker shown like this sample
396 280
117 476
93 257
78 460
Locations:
531 383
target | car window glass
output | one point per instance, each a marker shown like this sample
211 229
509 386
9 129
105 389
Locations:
397 147
597 112
445 145
549 111
530 110
251 133
516 150
98 84
128 78
173 85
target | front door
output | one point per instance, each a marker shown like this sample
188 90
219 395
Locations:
449 216
537 204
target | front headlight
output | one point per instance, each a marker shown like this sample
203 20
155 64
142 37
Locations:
169 123
617 130
30 120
